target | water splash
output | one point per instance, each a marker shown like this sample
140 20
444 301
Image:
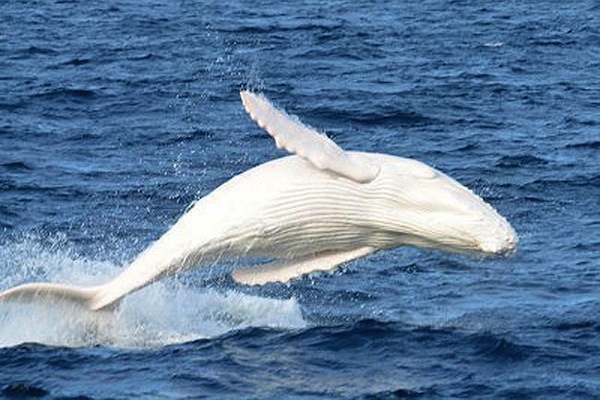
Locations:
162 314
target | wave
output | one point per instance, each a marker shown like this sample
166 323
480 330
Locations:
165 313
65 93
15 166
23 390
33 50
77 61
591 145
520 160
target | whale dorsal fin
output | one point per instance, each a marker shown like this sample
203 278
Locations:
295 137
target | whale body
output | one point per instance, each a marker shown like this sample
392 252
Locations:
311 211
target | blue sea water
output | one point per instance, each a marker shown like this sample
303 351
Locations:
116 115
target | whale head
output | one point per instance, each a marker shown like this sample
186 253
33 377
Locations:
426 208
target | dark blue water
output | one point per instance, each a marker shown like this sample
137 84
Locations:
116 115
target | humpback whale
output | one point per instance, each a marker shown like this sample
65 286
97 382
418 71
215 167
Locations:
317 208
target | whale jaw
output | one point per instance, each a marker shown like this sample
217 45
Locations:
422 207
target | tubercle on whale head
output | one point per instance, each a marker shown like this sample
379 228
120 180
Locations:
501 245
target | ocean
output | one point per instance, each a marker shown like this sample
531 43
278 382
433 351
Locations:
116 115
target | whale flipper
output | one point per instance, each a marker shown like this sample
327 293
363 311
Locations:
53 292
286 270
295 137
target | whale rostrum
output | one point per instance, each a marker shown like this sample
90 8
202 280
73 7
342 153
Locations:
310 211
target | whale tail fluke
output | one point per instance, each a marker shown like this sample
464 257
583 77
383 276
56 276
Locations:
47 293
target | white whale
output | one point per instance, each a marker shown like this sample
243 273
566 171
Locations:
311 211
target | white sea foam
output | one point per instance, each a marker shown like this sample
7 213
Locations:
493 44
162 314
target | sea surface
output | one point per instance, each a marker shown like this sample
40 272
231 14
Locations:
116 115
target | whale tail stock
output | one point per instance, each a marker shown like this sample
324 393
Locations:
105 297
45 293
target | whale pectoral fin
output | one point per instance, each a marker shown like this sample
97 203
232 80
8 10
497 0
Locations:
285 270
295 137
49 293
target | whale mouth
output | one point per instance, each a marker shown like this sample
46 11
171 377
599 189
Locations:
504 245
493 247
